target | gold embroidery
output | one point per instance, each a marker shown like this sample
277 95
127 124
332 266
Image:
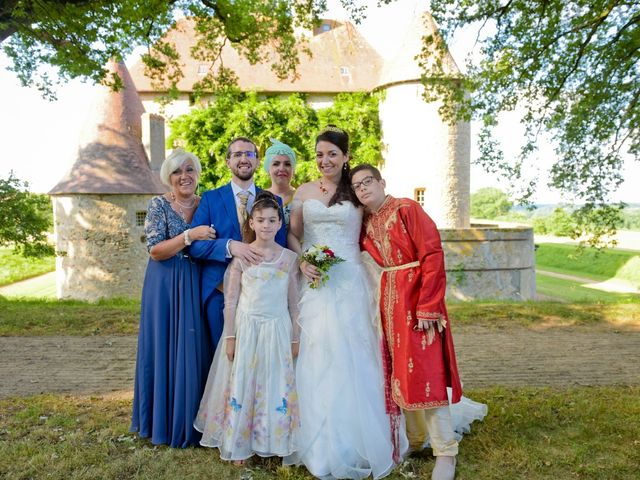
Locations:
428 315
389 299
411 275
396 388
409 318
397 397
410 365
424 341
427 389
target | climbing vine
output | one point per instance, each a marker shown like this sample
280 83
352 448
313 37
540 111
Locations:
206 131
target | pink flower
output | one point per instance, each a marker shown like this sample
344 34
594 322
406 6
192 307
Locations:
330 253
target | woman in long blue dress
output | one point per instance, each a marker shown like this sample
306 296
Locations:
174 351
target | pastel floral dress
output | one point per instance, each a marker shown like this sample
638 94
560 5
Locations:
250 405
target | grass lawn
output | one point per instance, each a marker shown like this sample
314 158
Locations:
121 316
19 316
581 433
545 314
16 267
571 291
620 264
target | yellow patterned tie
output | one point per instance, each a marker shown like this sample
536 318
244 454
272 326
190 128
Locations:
242 207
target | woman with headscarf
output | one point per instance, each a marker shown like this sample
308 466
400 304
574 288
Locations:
280 164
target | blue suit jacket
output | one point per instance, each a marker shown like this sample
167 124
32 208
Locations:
218 208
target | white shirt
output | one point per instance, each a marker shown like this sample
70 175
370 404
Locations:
252 195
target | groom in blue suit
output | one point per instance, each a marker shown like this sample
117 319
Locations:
219 208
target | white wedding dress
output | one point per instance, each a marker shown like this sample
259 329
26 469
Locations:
344 429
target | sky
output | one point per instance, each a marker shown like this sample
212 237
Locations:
39 137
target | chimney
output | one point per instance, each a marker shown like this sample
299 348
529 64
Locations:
153 139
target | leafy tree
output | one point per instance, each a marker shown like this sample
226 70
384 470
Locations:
78 37
631 219
560 223
24 218
489 203
208 131
572 65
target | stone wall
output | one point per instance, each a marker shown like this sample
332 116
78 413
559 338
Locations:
102 248
490 263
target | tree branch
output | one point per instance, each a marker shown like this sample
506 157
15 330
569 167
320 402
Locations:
223 18
579 56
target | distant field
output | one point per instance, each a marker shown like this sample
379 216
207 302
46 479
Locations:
14 268
619 264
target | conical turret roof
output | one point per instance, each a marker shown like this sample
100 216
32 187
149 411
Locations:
402 66
110 158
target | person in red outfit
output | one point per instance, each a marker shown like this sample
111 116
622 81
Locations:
418 353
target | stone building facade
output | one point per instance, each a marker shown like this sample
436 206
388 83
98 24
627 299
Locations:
101 246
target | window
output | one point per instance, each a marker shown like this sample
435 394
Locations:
344 71
140 218
418 195
326 27
203 69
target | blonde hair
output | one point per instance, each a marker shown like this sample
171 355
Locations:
175 161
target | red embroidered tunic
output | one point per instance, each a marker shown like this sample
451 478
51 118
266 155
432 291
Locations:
421 365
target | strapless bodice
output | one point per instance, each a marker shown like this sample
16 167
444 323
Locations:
337 226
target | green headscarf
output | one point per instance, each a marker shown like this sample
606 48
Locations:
278 148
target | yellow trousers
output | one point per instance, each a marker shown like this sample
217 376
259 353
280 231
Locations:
434 425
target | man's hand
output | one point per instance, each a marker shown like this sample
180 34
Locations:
245 252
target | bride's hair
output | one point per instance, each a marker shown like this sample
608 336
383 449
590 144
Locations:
340 139
264 199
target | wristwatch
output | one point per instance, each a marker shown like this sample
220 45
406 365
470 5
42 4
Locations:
187 240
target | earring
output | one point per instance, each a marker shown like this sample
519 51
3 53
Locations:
344 166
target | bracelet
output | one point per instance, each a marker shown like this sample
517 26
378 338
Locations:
187 240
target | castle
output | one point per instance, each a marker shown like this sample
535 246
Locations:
99 206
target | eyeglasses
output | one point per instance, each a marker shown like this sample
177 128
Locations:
366 181
239 155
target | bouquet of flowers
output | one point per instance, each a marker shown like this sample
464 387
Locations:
321 257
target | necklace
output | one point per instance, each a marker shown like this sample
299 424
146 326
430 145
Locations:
181 205
323 189
175 199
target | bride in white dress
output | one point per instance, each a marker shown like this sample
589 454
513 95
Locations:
345 431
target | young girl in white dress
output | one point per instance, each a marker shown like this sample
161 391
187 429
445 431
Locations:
250 404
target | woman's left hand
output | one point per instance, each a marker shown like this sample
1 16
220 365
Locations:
309 271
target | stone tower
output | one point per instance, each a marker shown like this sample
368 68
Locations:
100 204
426 158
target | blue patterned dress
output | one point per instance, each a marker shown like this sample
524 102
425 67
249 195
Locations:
174 351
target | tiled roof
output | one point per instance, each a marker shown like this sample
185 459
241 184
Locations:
110 157
341 61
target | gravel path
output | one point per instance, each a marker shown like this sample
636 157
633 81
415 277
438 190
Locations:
486 357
